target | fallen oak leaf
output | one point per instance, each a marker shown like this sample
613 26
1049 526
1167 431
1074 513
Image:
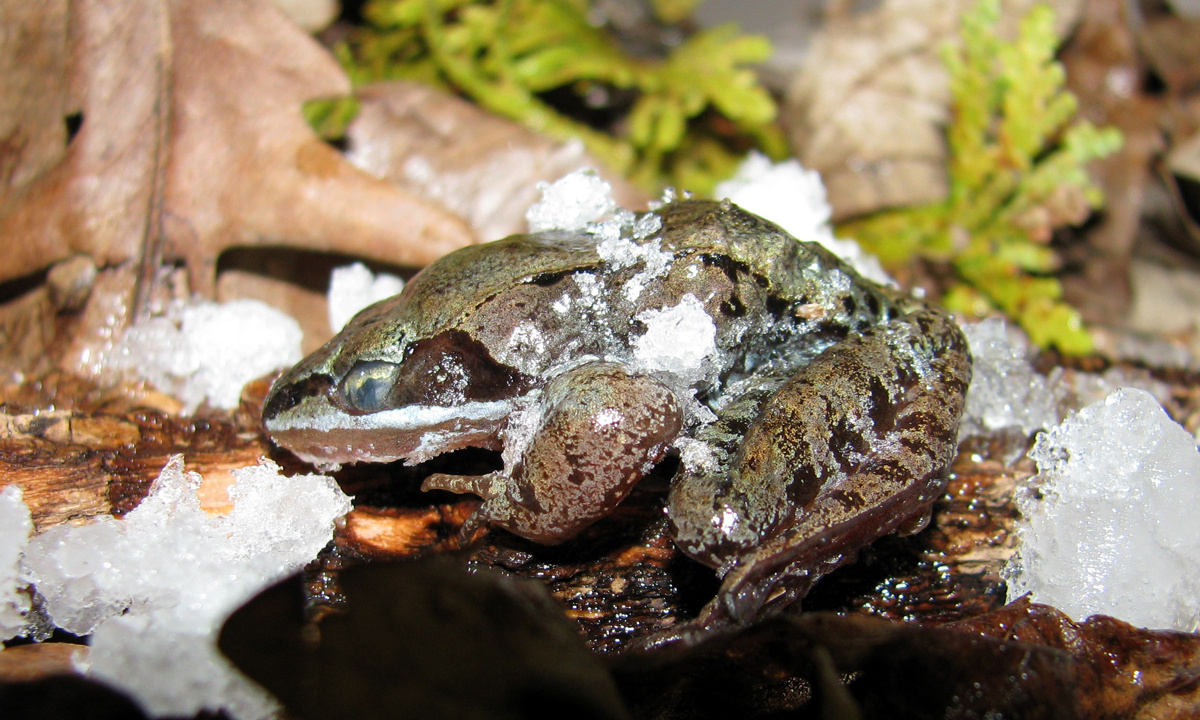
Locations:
95 63
485 167
290 186
426 638
1121 671
191 142
869 107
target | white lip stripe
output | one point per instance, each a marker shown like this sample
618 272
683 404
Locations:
413 417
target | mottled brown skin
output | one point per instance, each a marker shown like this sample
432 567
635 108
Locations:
810 500
609 427
837 401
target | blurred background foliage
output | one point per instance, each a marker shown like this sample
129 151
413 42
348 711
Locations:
663 107
669 106
1018 172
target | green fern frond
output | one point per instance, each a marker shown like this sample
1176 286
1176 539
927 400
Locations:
1018 165
507 55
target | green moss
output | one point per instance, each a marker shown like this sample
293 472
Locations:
330 117
694 111
1018 170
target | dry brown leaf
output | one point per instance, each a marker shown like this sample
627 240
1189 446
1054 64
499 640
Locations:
247 170
869 107
94 194
1180 178
191 142
1105 73
482 166
1169 44
32 662
1184 159
1121 671
867 75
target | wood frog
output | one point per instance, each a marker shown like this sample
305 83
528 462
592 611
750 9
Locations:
813 411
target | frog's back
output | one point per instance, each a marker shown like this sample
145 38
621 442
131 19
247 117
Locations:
724 229
795 273
448 291
786 286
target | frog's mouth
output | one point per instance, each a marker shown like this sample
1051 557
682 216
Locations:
320 433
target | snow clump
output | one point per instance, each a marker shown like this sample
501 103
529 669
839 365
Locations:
153 589
355 287
15 527
205 352
678 340
794 199
1005 390
571 202
1108 523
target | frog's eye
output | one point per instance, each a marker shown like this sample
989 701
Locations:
368 385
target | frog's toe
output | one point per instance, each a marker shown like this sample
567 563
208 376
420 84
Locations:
474 527
915 524
481 485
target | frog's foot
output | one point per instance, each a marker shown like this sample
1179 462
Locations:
487 486
852 448
784 569
481 485
600 429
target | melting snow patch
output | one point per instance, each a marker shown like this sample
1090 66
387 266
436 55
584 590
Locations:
354 287
678 339
15 526
205 352
697 456
153 589
794 198
571 203
1109 521
1005 389
525 349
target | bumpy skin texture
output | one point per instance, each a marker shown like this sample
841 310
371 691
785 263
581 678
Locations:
815 411
609 428
794 504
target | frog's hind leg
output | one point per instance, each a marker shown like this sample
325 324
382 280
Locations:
854 447
597 429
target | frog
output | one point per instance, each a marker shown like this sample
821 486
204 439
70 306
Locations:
811 411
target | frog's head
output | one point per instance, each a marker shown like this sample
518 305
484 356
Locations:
382 390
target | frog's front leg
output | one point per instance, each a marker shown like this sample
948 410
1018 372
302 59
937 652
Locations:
597 430
855 446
